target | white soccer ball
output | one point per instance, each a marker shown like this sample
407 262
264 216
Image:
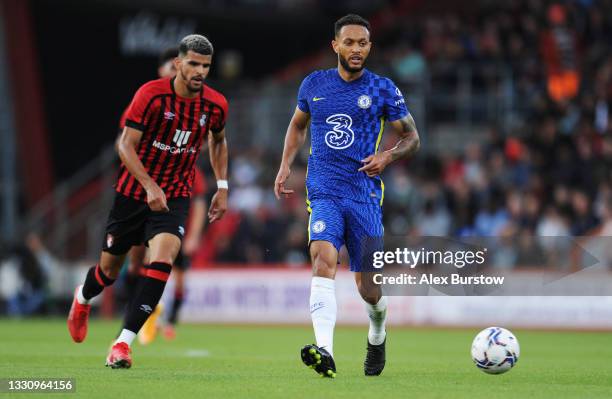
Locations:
495 350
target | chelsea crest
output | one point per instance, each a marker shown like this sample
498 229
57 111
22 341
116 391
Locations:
364 101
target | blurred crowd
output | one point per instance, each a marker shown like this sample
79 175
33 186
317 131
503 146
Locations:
549 173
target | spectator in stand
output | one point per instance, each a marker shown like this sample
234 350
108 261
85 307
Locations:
559 47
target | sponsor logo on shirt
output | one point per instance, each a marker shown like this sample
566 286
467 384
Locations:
181 137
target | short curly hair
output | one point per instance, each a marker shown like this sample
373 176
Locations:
196 43
350 19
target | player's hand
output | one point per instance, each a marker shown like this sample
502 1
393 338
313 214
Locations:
279 184
156 198
190 244
218 205
375 164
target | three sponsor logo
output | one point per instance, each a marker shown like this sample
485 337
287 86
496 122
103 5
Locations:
341 136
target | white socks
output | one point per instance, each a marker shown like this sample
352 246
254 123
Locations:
126 336
323 311
378 316
80 298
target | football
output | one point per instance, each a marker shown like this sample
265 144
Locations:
495 350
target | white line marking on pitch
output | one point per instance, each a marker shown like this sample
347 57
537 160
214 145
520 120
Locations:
197 353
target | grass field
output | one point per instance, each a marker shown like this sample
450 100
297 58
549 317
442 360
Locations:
263 362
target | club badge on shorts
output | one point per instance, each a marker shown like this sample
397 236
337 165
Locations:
318 226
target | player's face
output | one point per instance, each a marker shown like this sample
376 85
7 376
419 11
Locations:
353 47
167 70
193 69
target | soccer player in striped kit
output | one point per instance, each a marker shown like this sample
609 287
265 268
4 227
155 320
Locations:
166 124
347 108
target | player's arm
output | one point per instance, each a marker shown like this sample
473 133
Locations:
406 147
217 145
126 146
294 139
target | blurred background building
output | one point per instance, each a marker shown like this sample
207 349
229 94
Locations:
513 101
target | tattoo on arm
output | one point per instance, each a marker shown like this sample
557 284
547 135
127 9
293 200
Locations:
409 142
408 124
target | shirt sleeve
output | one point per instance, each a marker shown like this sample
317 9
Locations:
395 105
302 98
136 114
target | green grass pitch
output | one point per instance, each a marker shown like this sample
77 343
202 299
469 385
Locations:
263 362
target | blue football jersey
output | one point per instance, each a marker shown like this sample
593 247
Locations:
346 124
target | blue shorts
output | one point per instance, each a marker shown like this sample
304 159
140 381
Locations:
343 221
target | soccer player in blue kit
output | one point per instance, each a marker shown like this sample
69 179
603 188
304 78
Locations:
348 108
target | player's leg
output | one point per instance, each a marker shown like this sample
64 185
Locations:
163 232
148 332
376 306
180 266
364 236
323 307
179 294
135 268
163 247
98 277
136 256
325 238
123 229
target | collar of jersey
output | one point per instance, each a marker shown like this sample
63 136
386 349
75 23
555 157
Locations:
185 98
359 79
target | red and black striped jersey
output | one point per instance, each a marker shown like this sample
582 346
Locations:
174 129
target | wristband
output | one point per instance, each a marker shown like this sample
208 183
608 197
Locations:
222 184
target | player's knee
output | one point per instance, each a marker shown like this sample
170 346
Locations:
110 264
322 267
111 270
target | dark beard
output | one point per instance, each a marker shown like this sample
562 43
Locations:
344 63
187 82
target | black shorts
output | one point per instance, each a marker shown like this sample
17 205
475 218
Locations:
132 222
